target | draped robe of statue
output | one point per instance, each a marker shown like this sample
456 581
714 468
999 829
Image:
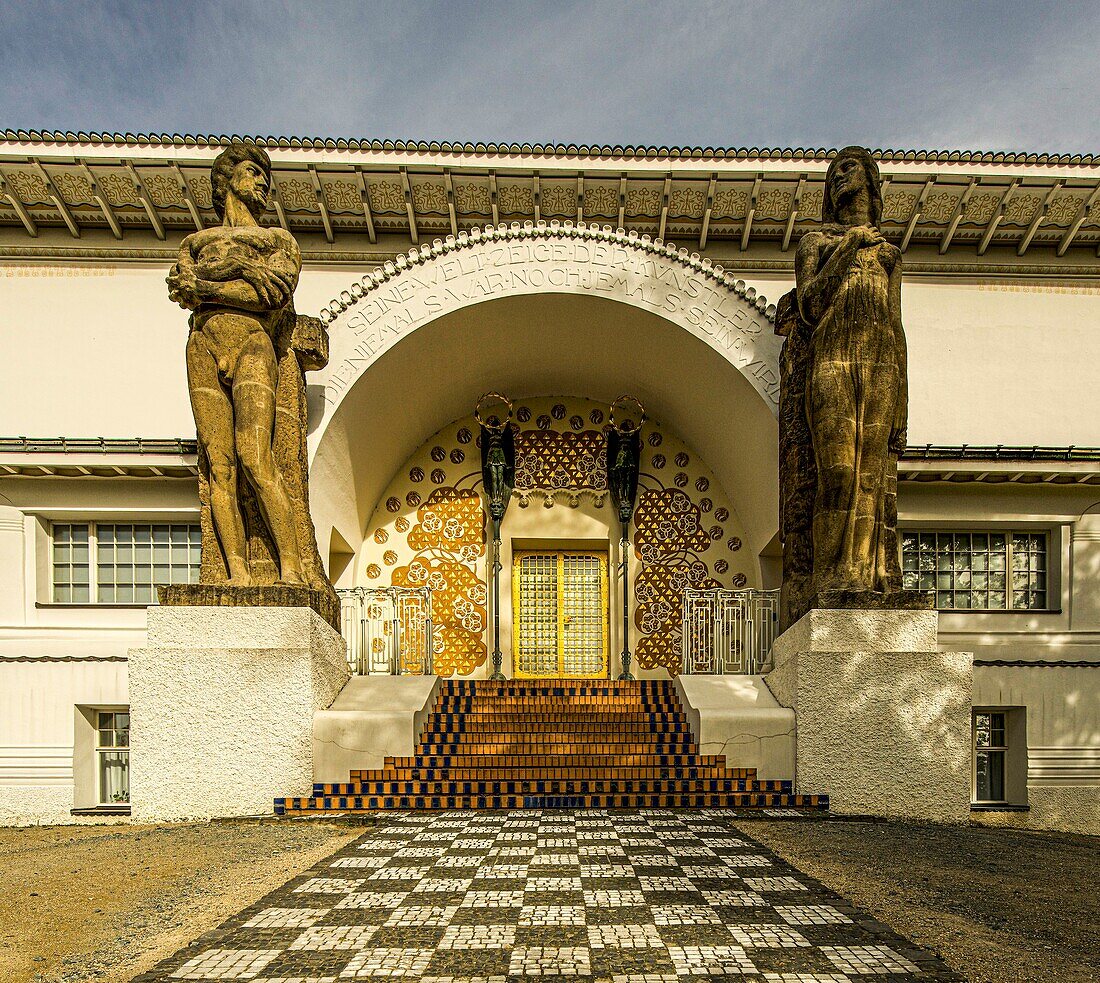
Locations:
855 402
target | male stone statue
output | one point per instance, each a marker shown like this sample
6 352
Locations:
246 353
844 390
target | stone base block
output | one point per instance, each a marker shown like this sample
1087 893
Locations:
859 631
882 718
373 718
221 708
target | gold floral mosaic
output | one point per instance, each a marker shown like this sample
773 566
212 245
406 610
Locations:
430 529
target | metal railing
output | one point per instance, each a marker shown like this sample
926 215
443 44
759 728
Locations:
728 631
388 630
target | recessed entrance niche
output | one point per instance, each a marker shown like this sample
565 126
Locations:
429 530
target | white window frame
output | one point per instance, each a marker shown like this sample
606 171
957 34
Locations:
1051 571
1002 749
93 559
102 750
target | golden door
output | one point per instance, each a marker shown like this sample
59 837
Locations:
559 614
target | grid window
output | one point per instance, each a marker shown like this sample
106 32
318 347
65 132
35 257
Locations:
984 571
71 564
116 563
990 749
113 757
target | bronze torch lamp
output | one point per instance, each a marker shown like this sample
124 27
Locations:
624 453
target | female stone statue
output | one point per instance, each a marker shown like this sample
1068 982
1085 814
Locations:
848 281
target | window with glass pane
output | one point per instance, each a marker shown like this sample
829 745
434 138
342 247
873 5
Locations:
113 757
990 747
71 564
985 571
115 563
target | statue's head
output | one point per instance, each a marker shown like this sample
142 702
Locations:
852 170
246 169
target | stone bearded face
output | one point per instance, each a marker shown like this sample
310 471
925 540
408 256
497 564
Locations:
250 183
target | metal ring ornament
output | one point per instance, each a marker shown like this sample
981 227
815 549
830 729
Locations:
486 417
624 403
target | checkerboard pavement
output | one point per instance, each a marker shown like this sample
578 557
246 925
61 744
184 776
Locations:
646 896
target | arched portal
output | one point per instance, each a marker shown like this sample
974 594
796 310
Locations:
544 312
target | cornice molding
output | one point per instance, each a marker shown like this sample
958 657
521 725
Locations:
467 149
32 252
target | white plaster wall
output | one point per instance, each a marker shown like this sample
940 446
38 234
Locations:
37 713
222 704
996 360
1063 741
112 342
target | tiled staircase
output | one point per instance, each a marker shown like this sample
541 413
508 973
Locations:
554 743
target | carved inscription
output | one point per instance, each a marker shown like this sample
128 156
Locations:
421 293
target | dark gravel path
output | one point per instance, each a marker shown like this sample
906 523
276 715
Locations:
1000 906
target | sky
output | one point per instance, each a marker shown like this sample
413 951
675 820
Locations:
978 75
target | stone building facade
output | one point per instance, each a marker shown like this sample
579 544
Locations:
563 277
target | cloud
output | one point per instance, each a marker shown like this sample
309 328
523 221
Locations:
1003 75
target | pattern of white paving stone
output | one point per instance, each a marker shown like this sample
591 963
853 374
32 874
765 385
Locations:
625 897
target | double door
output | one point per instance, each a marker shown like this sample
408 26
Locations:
559 614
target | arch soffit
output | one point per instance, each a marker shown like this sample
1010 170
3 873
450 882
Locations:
385 306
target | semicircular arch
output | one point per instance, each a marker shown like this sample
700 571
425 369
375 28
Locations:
399 297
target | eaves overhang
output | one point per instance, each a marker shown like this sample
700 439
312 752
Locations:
360 200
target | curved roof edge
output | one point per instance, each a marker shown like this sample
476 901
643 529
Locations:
461 149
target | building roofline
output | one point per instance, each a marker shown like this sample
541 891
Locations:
461 149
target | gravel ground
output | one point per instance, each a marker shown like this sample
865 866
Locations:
105 903
998 906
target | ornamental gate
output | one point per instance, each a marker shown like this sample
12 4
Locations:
388 630
728 631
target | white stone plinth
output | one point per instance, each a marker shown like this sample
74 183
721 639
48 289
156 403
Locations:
221 708
373 718
883 729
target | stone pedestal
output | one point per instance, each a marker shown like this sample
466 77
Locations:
221 708
882 717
